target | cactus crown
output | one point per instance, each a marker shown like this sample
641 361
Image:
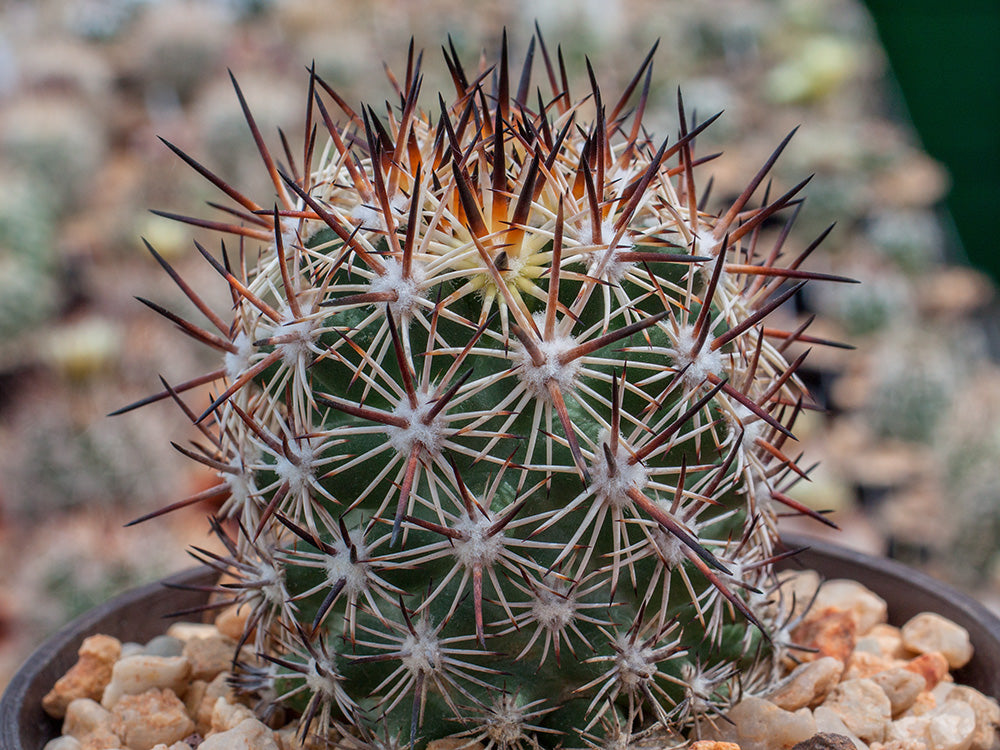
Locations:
500 421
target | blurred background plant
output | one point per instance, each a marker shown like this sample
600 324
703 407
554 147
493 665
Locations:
910 445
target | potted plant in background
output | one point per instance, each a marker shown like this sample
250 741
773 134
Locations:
503 419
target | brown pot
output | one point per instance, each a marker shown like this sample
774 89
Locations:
138 615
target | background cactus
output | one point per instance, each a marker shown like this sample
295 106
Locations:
502 418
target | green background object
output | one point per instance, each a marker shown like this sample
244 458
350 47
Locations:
946 58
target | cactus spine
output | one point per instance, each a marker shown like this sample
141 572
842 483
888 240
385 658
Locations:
499 421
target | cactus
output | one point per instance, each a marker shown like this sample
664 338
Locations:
500 424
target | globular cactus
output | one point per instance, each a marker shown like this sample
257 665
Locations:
500 423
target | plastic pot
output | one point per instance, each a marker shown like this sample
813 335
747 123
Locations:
138 615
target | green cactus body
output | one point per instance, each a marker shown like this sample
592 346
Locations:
500 422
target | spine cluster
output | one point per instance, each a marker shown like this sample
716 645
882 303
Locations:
500 420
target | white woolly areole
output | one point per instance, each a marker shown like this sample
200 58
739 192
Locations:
407 289
553 610
505 724
273 585
289 232
340 568
416 433
612 482
299 470
700 364
710 247
238 362
477 547
758 492
301 335
610 268
536 378
635 663
323 679
366 217
421 652
399 204
751 425
613 270
241 486
669 548
698 688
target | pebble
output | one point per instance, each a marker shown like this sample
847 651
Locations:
232 621
85 716
952 726
226 715
758 724
863 706
930 632
828 632
209 656
987 712
826 741
808 685
901 687
201 699
164 645
865 664
249 734
933 667
797 589
85 679
948 727
829 722
151 718
186 631
63 743
101 739
867 608
137 674
884 640
132 649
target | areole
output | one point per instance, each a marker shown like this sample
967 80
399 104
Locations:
139 615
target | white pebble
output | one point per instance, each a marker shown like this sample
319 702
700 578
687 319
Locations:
908 731
137 674
808 684
987 716
63 743
951 726
84 716
249 734
884 640
901 687
863 706
151 718
185 631
868 609
928 632
226 715
760 725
